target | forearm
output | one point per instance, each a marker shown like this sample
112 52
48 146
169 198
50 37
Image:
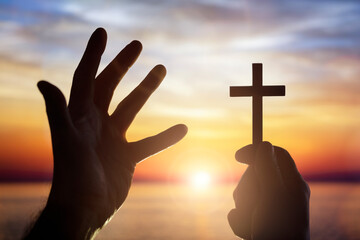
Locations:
63 222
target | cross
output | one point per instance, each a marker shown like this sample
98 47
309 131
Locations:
257 91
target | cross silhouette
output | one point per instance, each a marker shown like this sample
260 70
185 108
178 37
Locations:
257 91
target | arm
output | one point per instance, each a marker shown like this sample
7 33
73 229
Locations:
271 199
93 161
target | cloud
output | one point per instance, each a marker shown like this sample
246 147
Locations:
252 25
205 44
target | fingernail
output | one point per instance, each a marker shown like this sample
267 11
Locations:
161 68
184 128
41 86
136 44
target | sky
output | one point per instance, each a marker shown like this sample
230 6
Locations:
312 47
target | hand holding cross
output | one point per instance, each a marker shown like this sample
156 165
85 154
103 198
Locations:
272 198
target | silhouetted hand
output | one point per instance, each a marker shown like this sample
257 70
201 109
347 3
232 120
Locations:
271 199
93 161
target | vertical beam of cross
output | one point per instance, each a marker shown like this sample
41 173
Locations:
257 111
257 91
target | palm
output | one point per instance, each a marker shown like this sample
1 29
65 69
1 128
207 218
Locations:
93 161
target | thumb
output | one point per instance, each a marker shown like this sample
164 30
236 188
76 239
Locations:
246 154
56 109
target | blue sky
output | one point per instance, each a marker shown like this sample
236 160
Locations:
288 26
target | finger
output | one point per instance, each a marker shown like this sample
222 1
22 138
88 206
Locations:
246 154
246 196
57 112
247 191
152 145
292 178
240 223
109 78
131 105
84 76
267 169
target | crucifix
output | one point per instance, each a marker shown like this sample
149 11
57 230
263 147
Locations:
257 91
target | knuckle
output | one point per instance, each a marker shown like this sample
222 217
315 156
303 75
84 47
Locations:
77 73
304 192
307 190
235 194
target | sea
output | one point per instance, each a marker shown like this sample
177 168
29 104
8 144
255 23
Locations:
178 212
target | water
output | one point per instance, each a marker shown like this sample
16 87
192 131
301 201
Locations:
174 212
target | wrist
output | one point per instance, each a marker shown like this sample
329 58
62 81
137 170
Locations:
64 222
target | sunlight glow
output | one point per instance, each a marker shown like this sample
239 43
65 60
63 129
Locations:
200 180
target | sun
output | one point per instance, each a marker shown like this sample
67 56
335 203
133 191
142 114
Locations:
200 180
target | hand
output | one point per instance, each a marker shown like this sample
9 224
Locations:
271 199
93 161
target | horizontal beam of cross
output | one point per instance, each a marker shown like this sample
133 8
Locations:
248 91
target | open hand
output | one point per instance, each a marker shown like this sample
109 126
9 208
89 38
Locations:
93 161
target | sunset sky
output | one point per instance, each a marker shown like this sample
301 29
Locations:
312 47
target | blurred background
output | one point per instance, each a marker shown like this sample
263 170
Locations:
312 47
